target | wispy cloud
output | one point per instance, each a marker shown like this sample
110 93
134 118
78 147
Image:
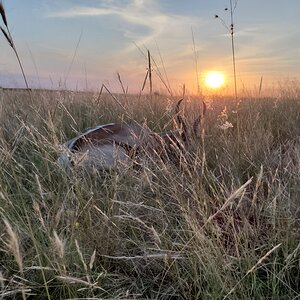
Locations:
134 12
81 11
141 21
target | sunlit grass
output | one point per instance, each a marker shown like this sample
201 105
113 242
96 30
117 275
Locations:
159 232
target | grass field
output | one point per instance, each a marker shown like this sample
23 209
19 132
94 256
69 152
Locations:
224 228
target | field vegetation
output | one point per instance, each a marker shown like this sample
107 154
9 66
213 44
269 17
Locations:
225 224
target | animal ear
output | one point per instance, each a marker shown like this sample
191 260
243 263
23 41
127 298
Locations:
181 121
198 119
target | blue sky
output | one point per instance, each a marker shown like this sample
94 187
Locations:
110 36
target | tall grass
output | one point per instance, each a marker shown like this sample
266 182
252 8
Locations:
228 231
8 37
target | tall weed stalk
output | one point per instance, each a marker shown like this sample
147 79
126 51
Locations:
6 32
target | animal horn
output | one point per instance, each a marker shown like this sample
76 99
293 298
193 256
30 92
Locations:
181 120
198 119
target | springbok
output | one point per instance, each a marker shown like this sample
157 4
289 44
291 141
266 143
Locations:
106 146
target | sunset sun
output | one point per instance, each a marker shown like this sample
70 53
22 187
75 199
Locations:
214 80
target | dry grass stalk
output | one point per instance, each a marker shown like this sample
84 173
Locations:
259 262
236 194
151 229
117 101
150 73
82 260
38 213
14 293
121 83
59 245
92 260
39 186
2 13
11 43
294 254
75 280
163 256
262 259
2 279
13 245
257 185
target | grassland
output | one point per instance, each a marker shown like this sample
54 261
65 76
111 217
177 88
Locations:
227 227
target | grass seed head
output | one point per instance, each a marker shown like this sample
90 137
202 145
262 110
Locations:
9 40
59 245
13 244
2 13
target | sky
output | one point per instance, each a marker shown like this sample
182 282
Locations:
81 44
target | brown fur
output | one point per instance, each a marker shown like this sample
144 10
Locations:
132 140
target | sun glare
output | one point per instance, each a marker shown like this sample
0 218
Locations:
214 80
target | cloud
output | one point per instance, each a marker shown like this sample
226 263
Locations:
81 11
140 21
269 50
144 24
134 12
